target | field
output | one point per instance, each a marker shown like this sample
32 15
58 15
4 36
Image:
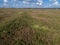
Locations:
29 26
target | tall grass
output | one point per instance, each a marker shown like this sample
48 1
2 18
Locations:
26 30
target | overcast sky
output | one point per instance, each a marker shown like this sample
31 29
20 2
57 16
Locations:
30 3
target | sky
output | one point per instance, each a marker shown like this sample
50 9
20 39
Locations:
29 3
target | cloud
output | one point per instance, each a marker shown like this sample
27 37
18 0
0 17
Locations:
53 0
25 2
55 3
5 1
39 2
5 4
15 0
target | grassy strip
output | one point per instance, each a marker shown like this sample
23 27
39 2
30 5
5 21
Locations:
25 30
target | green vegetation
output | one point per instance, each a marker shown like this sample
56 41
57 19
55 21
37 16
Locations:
29 27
